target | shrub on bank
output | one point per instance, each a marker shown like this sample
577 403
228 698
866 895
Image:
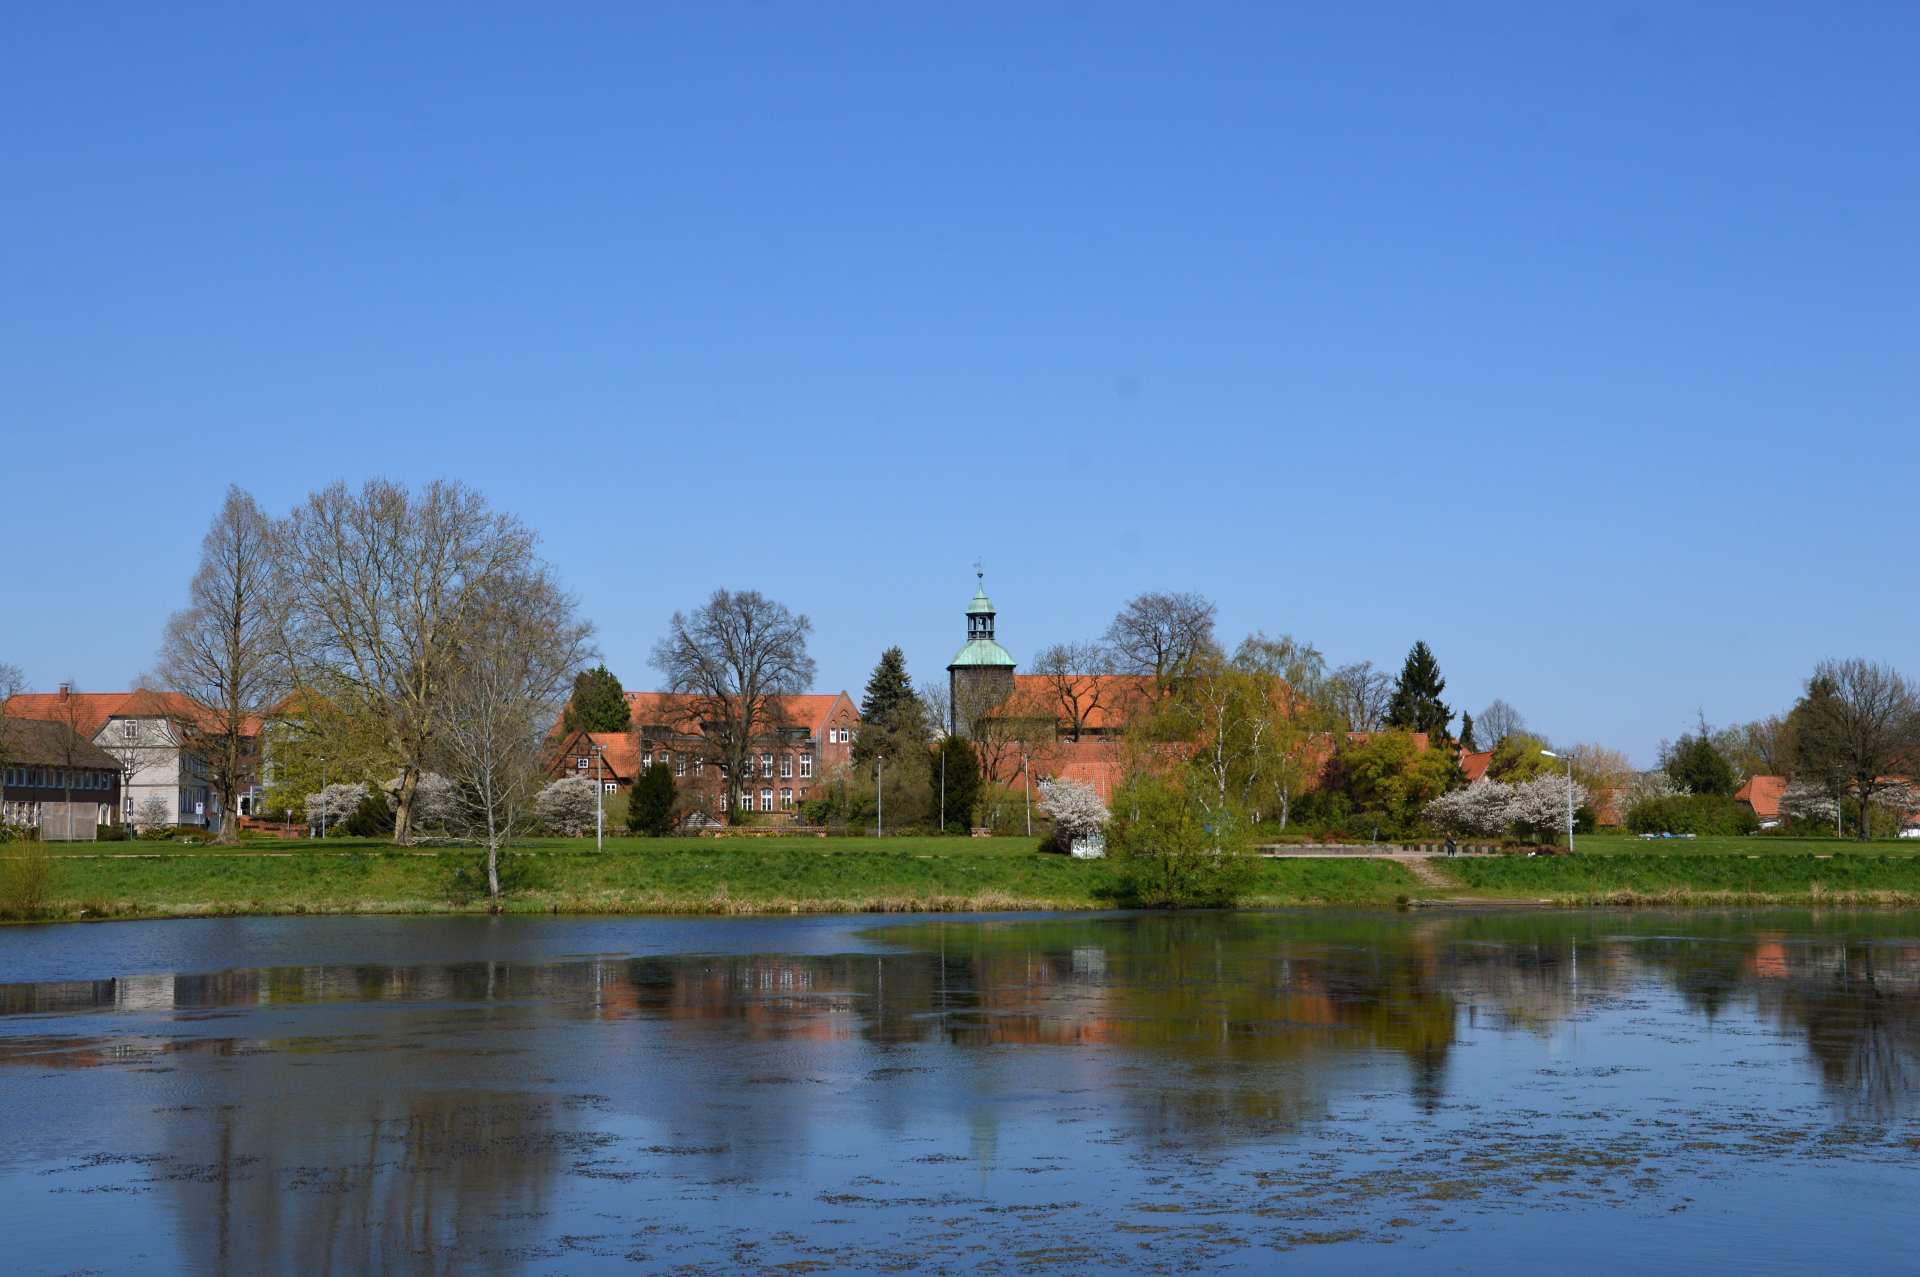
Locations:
1692 814
26 881
1165 856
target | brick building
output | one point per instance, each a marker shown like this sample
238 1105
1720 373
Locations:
809 742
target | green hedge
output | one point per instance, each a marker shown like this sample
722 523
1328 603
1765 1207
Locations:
1696 814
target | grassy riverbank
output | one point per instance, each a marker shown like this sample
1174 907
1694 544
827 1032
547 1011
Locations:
801 875
810 875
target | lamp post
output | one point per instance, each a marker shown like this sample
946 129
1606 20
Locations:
599 800
1026 778
1547 753
323 798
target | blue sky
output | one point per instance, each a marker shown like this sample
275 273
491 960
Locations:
1577 340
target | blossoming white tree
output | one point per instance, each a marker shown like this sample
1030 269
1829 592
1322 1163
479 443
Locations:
1077 813
566 806
1491 808
332 805
434 799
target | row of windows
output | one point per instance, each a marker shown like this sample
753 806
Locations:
583 762
29 813
786 766
56 778
766 799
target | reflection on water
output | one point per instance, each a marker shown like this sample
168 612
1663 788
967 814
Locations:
1142 1092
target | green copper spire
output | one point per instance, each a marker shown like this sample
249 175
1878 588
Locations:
981 650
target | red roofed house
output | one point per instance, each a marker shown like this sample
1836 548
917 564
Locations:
810 741
1763 794
162 776
1474 764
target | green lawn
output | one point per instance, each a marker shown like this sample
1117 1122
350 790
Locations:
1702 878
816 875
1753 845
674 875
928 845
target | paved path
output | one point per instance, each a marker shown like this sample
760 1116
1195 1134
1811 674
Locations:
1421 865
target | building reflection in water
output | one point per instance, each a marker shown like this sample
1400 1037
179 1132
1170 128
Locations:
445 1125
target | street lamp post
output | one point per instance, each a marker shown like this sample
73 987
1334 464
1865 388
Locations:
323 798
1547 753
599 801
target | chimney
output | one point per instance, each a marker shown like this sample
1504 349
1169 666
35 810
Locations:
66 690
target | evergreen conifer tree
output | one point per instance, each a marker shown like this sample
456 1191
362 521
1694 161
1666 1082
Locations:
598 704
962 783
1466 734
888 691
1416 705
650 805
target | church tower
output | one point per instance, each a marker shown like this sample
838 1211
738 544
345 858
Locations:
980 676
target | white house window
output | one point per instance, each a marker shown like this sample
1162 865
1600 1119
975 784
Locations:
680 764
699 765
746 800
646 760
766 765
581 764
664 756
786 798
129 730
806 766
786 767
612 786
766 800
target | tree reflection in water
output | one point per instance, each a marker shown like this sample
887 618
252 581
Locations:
348 1118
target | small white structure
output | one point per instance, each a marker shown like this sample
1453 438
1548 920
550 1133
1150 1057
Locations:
1093 846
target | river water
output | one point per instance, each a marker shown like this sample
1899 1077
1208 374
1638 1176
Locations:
1511 1092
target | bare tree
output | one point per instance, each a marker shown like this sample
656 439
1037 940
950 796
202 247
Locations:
384 588
737 657
12 683
936 703
155 813
1767 746
222 652
1497 722
1161 635
1859 720
513 670
1076 683
1357 694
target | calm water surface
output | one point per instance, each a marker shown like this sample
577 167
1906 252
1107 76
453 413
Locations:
1302 1091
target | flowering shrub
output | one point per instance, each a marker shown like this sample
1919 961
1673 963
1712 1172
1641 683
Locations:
1534 808
567 806
1078 814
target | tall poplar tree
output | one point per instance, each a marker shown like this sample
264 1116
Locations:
1416 705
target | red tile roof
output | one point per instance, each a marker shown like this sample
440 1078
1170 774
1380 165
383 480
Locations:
1762 793
1107 700
88 712
670 709
1474 765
